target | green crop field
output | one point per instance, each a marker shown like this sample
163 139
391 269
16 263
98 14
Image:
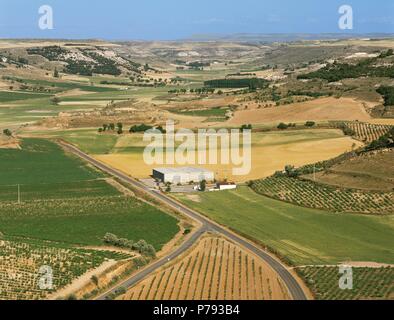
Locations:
88 140
7 96
85 221
64 200
302 236
64 205
41 162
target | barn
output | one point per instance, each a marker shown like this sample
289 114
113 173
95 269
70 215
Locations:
183 175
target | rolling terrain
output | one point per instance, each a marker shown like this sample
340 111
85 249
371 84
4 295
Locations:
319 194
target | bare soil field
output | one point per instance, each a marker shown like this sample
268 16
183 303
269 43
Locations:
8 143
215 269
319 110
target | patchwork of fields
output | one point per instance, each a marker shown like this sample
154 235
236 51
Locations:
271 151
70 206
301 236
214 270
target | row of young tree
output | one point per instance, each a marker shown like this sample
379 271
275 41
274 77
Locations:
111 127
118 128
197 91
251 83
284 126
140 246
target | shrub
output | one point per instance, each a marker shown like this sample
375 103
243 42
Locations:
310 124
282 126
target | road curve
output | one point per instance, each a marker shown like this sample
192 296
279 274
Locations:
292 284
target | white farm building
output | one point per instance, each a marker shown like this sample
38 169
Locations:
183 175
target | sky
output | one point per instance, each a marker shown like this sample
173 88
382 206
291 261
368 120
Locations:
180 19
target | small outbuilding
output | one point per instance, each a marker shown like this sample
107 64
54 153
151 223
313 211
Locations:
226 186
183 175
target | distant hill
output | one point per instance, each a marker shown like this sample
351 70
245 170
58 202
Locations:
284 37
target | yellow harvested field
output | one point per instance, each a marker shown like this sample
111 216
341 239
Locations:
215 269
387 122
319 110
271 151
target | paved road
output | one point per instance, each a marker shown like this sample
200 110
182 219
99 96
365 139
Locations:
206 225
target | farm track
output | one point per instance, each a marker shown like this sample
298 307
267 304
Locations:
207 225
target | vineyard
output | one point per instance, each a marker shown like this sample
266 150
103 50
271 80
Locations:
368 283
366 132
20 264
318 196
215 269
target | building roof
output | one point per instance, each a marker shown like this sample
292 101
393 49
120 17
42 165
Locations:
182 170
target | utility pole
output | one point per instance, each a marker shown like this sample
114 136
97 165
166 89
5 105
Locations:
19 194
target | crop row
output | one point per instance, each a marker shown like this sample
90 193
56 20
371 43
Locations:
313 195
20 264
367 132
367 283
215 269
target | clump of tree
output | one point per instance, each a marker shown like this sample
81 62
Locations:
203 186
251 83
119 126
110 127
289 171
310 124
168 187
55 101
140 246
385 141
7 132
388 95
387 53
140 128
339 71
246 127
284 126
346 130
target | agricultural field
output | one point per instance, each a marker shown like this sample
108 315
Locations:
368 283
367 132
270 152
323 109
21 261
50 218
301 236
215 269
309 194
370 171
55 209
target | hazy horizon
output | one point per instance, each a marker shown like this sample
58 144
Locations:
176 20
